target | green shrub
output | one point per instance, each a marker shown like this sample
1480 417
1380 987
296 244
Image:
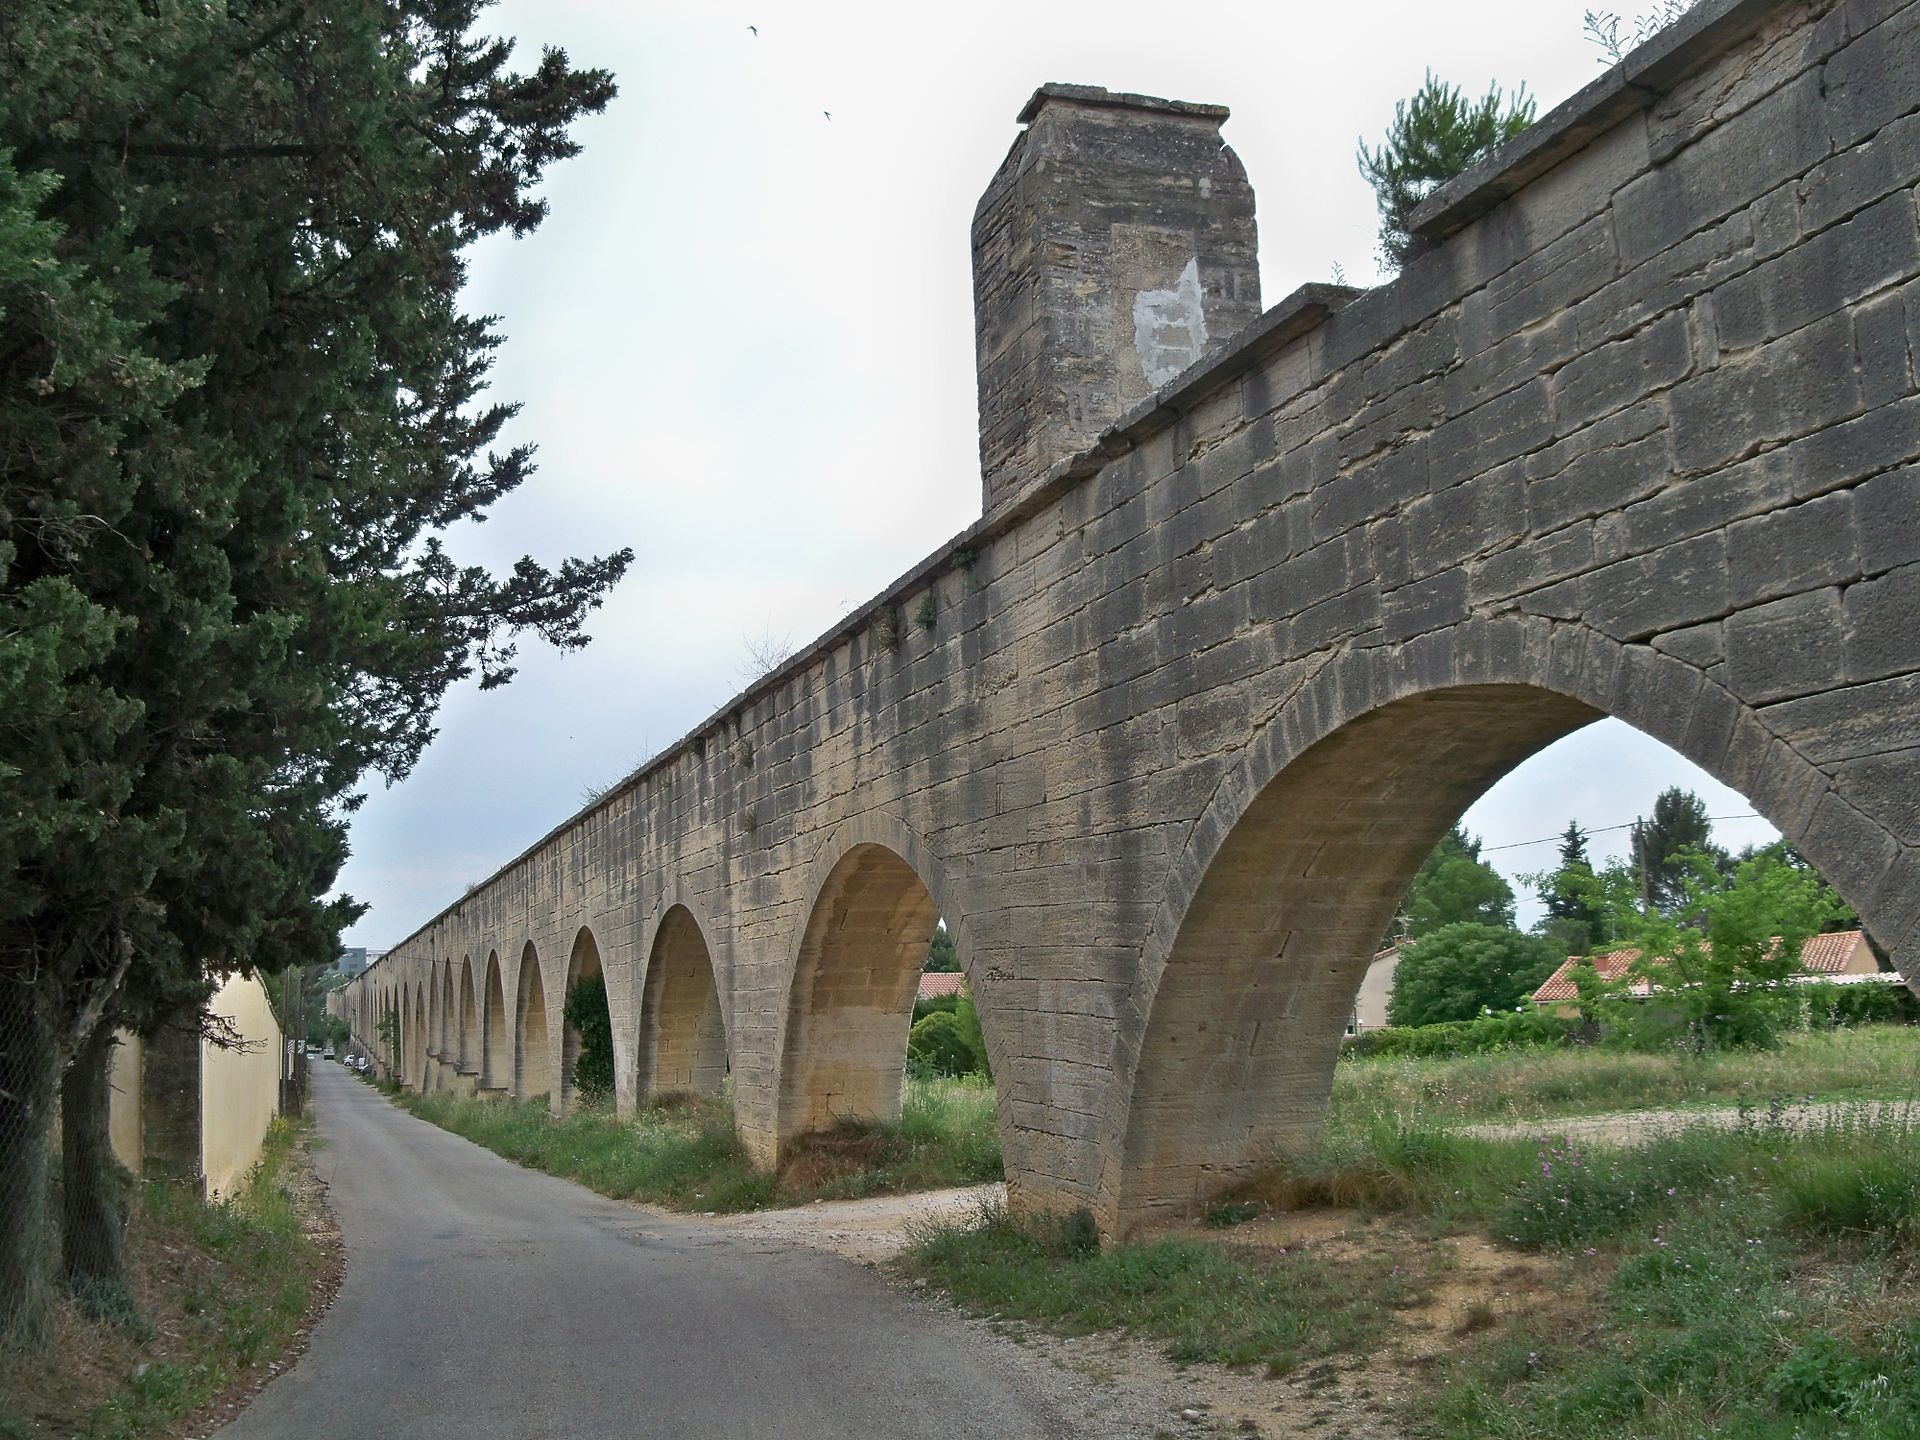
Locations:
938 1047
935 1005
948 1042
1819 1377
1832 1007
1079 1233
1529 1028
1461 971
587 1014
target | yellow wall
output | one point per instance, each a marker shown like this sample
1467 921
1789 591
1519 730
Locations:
1370 1005
239 1089
123 1106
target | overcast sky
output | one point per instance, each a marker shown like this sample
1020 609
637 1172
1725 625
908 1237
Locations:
744 346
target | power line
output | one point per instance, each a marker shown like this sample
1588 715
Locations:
1605 830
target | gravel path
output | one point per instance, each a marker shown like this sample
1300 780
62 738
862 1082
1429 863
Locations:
1634 1127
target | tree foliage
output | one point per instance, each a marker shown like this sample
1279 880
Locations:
949 1042
942 958
1571 921
1665 845
588 1017
239 404
1461 971
1455 886
1435 135
1717 964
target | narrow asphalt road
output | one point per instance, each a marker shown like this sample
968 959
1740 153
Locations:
485 1300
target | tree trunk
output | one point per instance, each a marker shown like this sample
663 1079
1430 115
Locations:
93 1186
29 1078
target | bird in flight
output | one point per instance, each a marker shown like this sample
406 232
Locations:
827 113
754 28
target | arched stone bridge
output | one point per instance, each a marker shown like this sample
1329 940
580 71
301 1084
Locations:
1165 735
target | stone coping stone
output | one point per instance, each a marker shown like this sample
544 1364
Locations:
1099 95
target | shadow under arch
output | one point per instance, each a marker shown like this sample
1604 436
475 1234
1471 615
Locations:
1227 1046
496 1053
446 1037
467 1050
877 895
422 1033
532 1055
583 963
683 1030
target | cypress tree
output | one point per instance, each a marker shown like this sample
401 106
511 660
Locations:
239 404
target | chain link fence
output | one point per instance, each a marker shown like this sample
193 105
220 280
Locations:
66 1199
76 1144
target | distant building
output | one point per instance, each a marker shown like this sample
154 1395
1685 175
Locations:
1845 952
355 958
1370 1005
935 983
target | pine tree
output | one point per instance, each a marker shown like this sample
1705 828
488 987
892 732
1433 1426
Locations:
1679 824
1435 136
942 958
239 403
1571 918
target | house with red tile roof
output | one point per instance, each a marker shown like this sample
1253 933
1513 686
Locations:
936 983
1843 953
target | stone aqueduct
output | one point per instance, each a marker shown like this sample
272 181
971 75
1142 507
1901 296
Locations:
1165 734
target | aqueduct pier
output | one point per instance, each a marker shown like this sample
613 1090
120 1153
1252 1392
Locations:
1260 603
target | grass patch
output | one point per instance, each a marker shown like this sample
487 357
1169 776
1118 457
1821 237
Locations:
1755 1281
221 1288
1205 1300
682 1151
1870 1062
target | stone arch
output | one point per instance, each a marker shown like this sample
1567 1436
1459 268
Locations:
467 1050
1227 1044
683 1030
532 1054
446 1028
876 895
496 1054
583 963
417 1055
449 1034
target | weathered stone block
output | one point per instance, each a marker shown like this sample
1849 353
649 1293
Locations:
1681 585
1886 518
1787 388
1870 81
1883 624
1613 376
1784 135
1847 724
1791 647
1790 550
1875 249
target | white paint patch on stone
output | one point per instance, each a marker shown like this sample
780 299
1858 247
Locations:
1170 327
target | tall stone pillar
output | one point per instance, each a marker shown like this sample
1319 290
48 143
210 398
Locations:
1114 247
